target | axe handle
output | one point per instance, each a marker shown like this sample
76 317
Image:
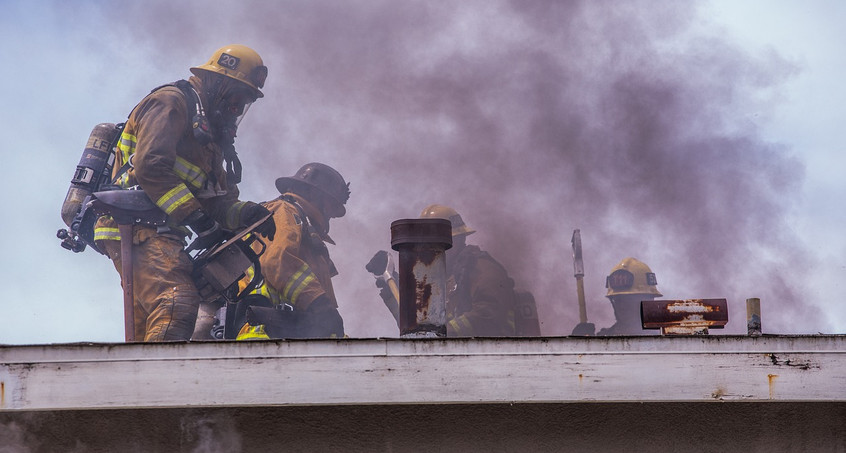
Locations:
394 290
127 280
393 305
579 273
580 288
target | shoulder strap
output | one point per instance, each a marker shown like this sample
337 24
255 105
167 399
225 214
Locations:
310 236
113 148
190 96
197 119
202 132
308 230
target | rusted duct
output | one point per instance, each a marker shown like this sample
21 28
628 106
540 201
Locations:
684 317
422 244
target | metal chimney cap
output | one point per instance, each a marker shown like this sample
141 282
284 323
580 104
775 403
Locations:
421 231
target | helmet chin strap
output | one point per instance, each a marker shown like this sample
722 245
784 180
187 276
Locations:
224 134
233 163
225 129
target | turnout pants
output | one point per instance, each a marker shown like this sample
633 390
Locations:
166 298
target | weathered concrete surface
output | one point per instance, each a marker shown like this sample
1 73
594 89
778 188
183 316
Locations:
520 428
770 393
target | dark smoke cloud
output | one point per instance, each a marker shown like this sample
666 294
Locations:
631 121
15 439
210 433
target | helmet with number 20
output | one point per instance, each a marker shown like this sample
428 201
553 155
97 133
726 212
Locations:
237 62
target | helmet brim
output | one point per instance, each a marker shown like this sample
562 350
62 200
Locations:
285 184
650 292
200 70
464 230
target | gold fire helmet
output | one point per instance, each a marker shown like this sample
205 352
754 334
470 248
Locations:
237 62
437 211
631 276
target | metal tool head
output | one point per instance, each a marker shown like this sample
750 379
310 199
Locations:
578 264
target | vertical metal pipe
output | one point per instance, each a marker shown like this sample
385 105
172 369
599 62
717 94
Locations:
422 244
753 316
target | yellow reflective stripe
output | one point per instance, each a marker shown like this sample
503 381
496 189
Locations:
126 145
233 215
269 292
123 180
249 332
298 282
512 322
189 172
262 289
466 322
248 276
461 324
274 295
106 234
174 198
454 325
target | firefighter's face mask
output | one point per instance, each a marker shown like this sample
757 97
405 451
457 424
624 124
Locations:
231 110
237 103
622 282
619 280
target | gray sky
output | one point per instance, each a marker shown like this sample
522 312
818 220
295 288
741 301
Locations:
702 138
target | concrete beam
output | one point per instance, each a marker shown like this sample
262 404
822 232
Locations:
423 371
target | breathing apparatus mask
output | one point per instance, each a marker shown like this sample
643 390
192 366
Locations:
232 80
227 114
230 100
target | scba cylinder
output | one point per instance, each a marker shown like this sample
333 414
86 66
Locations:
93 169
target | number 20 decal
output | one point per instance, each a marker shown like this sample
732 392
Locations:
228 61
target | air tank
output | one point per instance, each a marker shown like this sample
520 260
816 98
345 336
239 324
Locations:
93 169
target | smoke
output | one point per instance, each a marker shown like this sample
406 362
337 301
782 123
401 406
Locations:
15 439
197 431
210 433
633 121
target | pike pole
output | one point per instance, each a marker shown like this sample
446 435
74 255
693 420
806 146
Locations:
128 287
382 267
127 208
579 273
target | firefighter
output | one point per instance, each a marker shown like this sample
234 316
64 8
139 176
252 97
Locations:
630 282
480 295
178 147
296 266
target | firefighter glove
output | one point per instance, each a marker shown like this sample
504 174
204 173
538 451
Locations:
252 213
320 304
208 231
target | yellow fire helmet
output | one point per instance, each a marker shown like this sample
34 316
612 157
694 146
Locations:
631 276
437 211
237 62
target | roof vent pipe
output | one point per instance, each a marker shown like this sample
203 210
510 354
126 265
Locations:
753 317
422 245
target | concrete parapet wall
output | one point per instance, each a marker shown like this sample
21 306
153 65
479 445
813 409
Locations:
713 393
